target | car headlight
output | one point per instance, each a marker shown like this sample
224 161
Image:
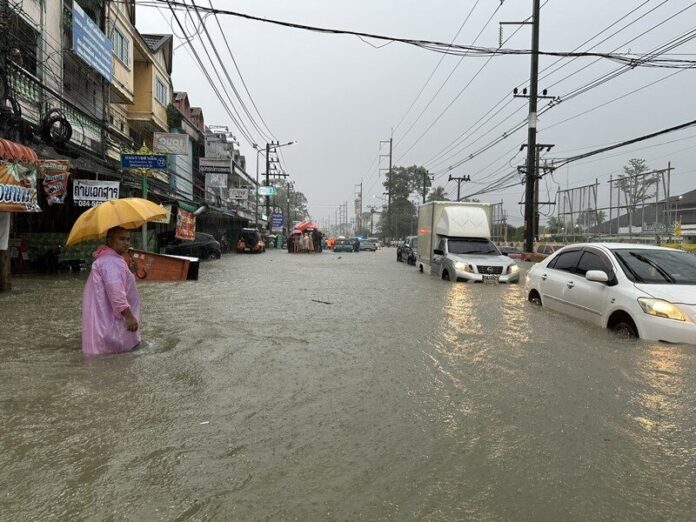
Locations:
513 269
464 267
661 308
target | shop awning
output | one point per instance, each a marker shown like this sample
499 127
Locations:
11 151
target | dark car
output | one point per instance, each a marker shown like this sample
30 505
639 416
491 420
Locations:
511 251
343 245
204 246
250 241
408 250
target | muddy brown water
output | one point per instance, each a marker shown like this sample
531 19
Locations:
405 398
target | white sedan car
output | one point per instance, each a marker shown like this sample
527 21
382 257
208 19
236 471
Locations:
638 290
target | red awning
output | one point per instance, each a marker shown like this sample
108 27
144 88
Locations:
11 151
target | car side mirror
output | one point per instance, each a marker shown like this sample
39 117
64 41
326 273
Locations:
598 276
438 252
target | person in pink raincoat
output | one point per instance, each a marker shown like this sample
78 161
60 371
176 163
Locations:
111 303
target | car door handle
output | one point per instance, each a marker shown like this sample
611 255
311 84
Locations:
570 284
544 277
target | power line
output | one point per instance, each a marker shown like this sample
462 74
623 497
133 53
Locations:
435 46
461 27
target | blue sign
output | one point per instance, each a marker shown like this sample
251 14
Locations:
277 220
90 44
143 161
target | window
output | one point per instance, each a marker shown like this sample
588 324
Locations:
653 266
472 246
591 261
567 261
121 48
161 92
441 245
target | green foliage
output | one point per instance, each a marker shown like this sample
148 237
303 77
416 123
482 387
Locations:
438 194
401 219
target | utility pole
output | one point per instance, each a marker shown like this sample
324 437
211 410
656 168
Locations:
389 179
531 134
268 198
459 180
425 184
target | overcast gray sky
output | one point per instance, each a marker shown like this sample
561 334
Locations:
339 96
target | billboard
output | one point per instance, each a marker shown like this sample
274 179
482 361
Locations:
239 194
267 191
90 44
277 220
18 188
89 193
171 143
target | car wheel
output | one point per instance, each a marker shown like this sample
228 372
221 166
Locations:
398 258
212 255
534 298
625 328
445 275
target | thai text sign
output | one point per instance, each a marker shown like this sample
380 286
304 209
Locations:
171 143
18 188
277 220
90 44
185 225
54 177
239 194
215 166
143 161
267 191
88 193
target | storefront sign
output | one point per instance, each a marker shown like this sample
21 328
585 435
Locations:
18 188
143 161
171 143
165 220
88 193
277 220
185 225
215 181
54 177
267 191
215 166
90 44
239 194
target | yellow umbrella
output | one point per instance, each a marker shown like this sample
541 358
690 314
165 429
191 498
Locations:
126 213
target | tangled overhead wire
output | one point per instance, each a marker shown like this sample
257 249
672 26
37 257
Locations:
632 60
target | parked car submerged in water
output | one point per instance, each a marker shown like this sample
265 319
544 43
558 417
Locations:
204 246
408 250
250 241
637 290
343 245
369 245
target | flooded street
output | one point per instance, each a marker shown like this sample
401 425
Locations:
338 387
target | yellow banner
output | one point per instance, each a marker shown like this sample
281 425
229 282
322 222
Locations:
18 187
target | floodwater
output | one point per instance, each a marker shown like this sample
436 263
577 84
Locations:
405 398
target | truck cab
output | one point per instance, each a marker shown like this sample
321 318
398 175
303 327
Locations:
454 243
472 259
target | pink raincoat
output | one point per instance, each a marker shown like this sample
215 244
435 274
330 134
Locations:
110 289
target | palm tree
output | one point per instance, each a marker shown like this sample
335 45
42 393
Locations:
438 194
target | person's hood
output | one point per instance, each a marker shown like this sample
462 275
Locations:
104 250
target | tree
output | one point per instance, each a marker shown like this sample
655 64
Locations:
438 194
637 186
399 219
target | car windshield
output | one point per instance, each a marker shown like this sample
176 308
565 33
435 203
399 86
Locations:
471 246
657 267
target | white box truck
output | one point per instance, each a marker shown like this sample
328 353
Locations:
454 243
